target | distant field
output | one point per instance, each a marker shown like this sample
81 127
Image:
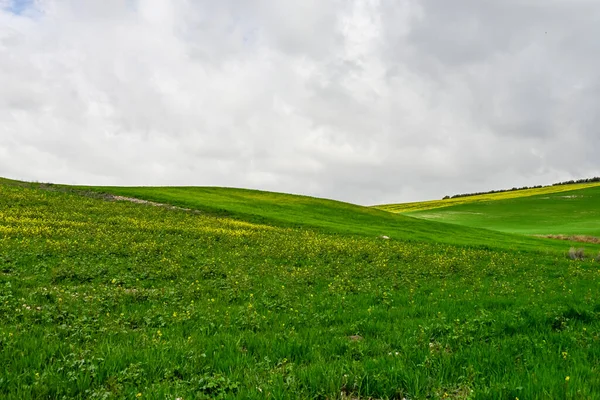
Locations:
574 212
434 204
255 295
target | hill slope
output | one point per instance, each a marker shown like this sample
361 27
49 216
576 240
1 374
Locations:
326 215
573 212
434 204
113 299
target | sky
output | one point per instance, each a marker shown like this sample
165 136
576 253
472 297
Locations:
363 101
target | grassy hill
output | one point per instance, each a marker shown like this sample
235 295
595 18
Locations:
285 210
262 295
434 204
575 211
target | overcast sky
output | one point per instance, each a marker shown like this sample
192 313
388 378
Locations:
358 100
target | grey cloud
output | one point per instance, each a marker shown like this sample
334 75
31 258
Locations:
365 101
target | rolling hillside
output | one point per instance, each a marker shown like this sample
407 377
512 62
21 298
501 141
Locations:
571 211
241 294
434 204
327 215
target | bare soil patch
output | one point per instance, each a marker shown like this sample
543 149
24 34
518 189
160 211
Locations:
573 238
151 203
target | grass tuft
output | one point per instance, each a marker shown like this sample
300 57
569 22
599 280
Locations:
576 254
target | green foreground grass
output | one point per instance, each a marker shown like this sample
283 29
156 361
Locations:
573 212
104 299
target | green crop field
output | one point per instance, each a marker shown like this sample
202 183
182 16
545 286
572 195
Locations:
575 211
511 194
238 294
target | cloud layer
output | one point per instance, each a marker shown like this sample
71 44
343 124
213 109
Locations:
365 101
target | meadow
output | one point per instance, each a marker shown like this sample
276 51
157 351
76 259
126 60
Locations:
568 212
468 200
260 295
328 216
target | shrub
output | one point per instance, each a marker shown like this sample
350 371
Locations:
576 254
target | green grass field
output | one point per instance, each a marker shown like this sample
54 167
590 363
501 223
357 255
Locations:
572 212
516 194
262 295
290 211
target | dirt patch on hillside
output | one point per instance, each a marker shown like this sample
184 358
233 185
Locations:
573 238
104 196
151 203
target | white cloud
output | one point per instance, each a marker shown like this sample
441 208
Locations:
366 101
